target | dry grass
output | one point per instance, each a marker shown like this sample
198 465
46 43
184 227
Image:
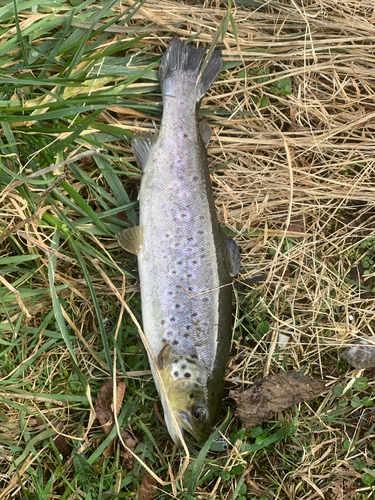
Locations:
295 105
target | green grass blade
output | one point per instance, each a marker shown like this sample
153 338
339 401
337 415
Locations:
98 312
57 308
116 186
19 33
85 207
198 466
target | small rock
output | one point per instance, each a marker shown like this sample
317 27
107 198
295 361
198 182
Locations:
361 355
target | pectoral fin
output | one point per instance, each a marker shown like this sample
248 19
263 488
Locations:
131 239
163 356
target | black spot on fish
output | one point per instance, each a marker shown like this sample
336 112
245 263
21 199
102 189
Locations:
201 217
188 327
170 293
167 235
194 356
185 135
195 178
169 334
173 319
199 380
202 256
205 299
176 245
162 322
175 342
190 289
190 238
183 215
187 375
178 287
189 275
186 335
191 396
177 306
179 262
194 315
173 272
175 374
183 367
200 231
195 262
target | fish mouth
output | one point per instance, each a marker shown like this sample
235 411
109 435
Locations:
184 424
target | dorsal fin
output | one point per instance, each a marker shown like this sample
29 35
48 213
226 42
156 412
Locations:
142 146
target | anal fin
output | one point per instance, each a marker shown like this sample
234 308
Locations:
233 256
205 131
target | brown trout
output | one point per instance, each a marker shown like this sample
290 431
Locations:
186 263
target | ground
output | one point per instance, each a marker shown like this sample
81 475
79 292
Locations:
292 160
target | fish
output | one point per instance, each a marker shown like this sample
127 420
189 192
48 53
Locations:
186 263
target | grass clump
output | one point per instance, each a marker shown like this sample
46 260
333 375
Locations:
292 167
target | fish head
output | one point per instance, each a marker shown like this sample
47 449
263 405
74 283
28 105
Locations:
185 381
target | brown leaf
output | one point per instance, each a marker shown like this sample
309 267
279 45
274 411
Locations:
283 272
148 488
61 442
104 408
131 443
274 394
119 397
297 224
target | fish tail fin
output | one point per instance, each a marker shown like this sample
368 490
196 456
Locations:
180 57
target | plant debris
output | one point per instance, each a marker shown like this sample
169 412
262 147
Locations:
274 394
131 442
60 440
148 488
104 408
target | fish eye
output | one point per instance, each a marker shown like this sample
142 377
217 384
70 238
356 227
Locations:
199 414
